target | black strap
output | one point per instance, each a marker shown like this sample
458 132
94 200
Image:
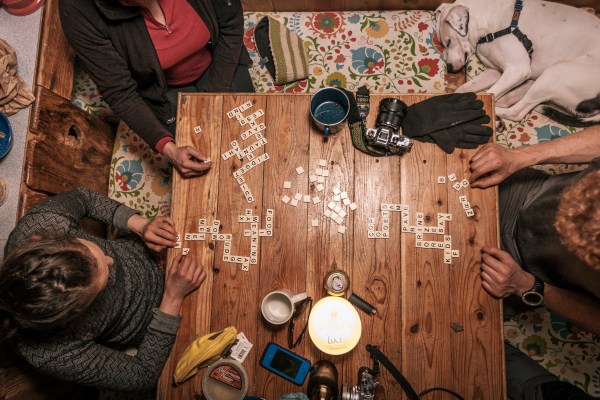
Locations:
379 356
513 28
357 125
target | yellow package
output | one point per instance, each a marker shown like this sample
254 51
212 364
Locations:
202 352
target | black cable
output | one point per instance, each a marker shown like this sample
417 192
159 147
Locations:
426 391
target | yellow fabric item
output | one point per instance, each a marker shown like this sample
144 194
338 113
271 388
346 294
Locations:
202 352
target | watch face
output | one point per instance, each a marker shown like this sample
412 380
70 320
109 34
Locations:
532 298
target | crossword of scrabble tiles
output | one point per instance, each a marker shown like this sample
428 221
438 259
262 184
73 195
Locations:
419 229
255 129
213 232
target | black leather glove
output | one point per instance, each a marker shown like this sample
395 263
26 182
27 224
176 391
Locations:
441 112
465 136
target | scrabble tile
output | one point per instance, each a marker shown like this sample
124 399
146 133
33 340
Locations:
299 170
287 184
441 179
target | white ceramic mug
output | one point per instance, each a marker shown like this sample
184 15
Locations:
278 306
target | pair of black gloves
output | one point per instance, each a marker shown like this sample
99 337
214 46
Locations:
450 121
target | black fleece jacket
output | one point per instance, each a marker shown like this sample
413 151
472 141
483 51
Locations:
112 42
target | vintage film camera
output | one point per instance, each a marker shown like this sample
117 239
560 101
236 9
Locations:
389 120
323 384
365 390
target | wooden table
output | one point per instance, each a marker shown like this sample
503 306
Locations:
434 321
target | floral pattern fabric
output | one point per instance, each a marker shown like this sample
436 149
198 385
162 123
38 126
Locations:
390 52
559 346
140 178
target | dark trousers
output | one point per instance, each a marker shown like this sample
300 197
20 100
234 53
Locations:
527 380
242 83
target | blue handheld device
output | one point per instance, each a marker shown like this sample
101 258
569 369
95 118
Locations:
285 363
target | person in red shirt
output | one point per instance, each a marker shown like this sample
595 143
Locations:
142 53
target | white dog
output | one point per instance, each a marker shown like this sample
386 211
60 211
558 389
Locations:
563 70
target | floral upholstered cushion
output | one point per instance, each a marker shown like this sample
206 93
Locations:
390 52
140 177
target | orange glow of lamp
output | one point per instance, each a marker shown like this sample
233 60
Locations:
334 325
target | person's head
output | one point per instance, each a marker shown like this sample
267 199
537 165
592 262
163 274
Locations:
578 218
47 283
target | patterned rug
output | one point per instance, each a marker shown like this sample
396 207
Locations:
390 52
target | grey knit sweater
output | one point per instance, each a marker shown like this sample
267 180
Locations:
123 314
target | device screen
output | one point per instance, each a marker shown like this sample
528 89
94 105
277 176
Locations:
285 364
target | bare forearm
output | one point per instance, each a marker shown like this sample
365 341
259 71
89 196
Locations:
582 310
170 304
579 147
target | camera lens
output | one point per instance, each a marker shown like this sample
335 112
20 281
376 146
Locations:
391 113
349 393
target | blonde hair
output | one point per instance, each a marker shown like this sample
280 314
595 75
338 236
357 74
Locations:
578 218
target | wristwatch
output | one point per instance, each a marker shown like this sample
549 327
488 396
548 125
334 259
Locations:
535 295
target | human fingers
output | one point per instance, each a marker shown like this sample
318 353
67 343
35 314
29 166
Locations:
175 264
161 228
483 152
157 238
489 286
493 261
487 169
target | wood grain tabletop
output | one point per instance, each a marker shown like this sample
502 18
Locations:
434 321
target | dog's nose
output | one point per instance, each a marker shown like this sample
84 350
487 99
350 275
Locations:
450 68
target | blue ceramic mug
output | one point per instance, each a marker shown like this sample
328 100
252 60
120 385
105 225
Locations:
6 136
329 109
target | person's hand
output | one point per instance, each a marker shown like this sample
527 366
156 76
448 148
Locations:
501 275
185 275
187 160
159 233
492 164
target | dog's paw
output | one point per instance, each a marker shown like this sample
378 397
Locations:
500 125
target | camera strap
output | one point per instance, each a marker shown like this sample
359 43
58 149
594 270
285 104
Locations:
359 109
378 356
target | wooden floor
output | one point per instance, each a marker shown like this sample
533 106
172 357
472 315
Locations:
434 321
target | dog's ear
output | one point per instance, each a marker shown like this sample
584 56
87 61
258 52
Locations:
458 18
440 10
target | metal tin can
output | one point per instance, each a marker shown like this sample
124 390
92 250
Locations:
336 283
